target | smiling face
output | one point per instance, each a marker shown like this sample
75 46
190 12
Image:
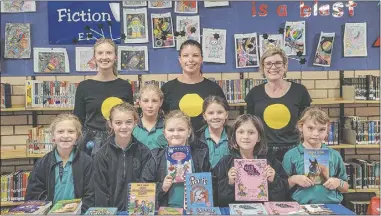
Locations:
176 131
150 102
122 123
65 135
274 67
105 56
247 136
215 116
190 59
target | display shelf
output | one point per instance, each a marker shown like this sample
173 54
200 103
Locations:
18 154
376 190
10 203
367 102
14 108
365 146
342 146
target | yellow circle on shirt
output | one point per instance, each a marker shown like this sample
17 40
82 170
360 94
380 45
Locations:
109 103
277 116
191 104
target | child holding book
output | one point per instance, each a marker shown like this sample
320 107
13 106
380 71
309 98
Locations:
149 129
64 173
248 141
178 132
120 160
313 127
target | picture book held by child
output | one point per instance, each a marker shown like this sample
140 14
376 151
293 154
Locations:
179 162
316 165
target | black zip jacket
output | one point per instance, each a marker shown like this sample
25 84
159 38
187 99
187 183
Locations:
41 182
225 192
156 168
114 169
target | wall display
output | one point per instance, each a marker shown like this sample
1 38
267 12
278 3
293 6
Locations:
268 41
216 3
18 6
162 30
355 40
135 25
323 55
159 4
84 59
133 58
184 6
214 45
246 50
17 40
187 27
130 3
295 38
50 60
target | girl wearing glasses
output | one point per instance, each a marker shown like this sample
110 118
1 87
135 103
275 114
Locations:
278 103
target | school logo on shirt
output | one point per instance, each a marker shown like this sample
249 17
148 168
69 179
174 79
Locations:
109 103
277 116
135 163
191 104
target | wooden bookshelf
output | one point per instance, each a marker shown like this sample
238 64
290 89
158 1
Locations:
365 146
10 203
18 154
14 108
342 146
370 190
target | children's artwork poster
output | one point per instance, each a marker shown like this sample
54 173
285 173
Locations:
184 6
295 38
246 50
216 3
251 182
17 40
50 60
159 4
316 165
162 30
214 45
187 27
133 3
18 6
355 40
133 58
135 25
323 55
269 42
84 59
83 22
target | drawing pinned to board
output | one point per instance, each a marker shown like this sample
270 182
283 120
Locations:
190 25
50 60
295 37
184 6
214 45
269 41
17 40
159 4
135 25
246 50
84 59
355 40
162 30
323 55
216 3
18 6
134 3
133 58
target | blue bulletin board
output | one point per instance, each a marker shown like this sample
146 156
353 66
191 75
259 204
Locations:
236 19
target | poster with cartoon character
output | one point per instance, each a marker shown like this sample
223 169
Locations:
162 30
186 6
246 50
323 55
214 45
159 4
84 59
133 58
188 27
50 60
295 37
269 42
135 25
18 6
130 3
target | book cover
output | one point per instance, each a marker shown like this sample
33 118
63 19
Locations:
170 211
31 207
179 162
66 207
251 182
101 211
317 209
141 199
198 190
205 211
282 208
316 165
247 209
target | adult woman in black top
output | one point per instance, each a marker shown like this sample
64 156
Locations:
278 103
188 91
95 97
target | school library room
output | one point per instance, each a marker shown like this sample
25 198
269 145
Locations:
190 107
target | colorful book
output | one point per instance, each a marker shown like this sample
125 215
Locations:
247 209
317 209
142 197
31 207
283 208
101 211
198 191
179 162
170 211
316 165
205 211
251 182
72 206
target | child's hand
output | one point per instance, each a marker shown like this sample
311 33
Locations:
232 174
302 180
270 173
332 183
167 183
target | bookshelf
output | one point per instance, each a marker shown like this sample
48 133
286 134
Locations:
10 203
18 154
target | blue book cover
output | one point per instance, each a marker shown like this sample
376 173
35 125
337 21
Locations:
198 190
101 211
179 162
205 211
316 165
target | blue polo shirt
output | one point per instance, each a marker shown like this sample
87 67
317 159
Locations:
64 188
216 151
293 164
153 138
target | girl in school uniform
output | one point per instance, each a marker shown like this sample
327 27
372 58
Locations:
178 132
65 172
149 129
248 141
120 160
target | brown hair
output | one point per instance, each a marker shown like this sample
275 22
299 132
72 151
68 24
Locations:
195 43
315 114
109 41
269 53
123 107
261 147
151 87
178 114
215 99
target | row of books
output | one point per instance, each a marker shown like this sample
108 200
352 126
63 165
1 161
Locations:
360 130
13 186
333 133
39 140
6 92
363 174
39 207
359 207
366 87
